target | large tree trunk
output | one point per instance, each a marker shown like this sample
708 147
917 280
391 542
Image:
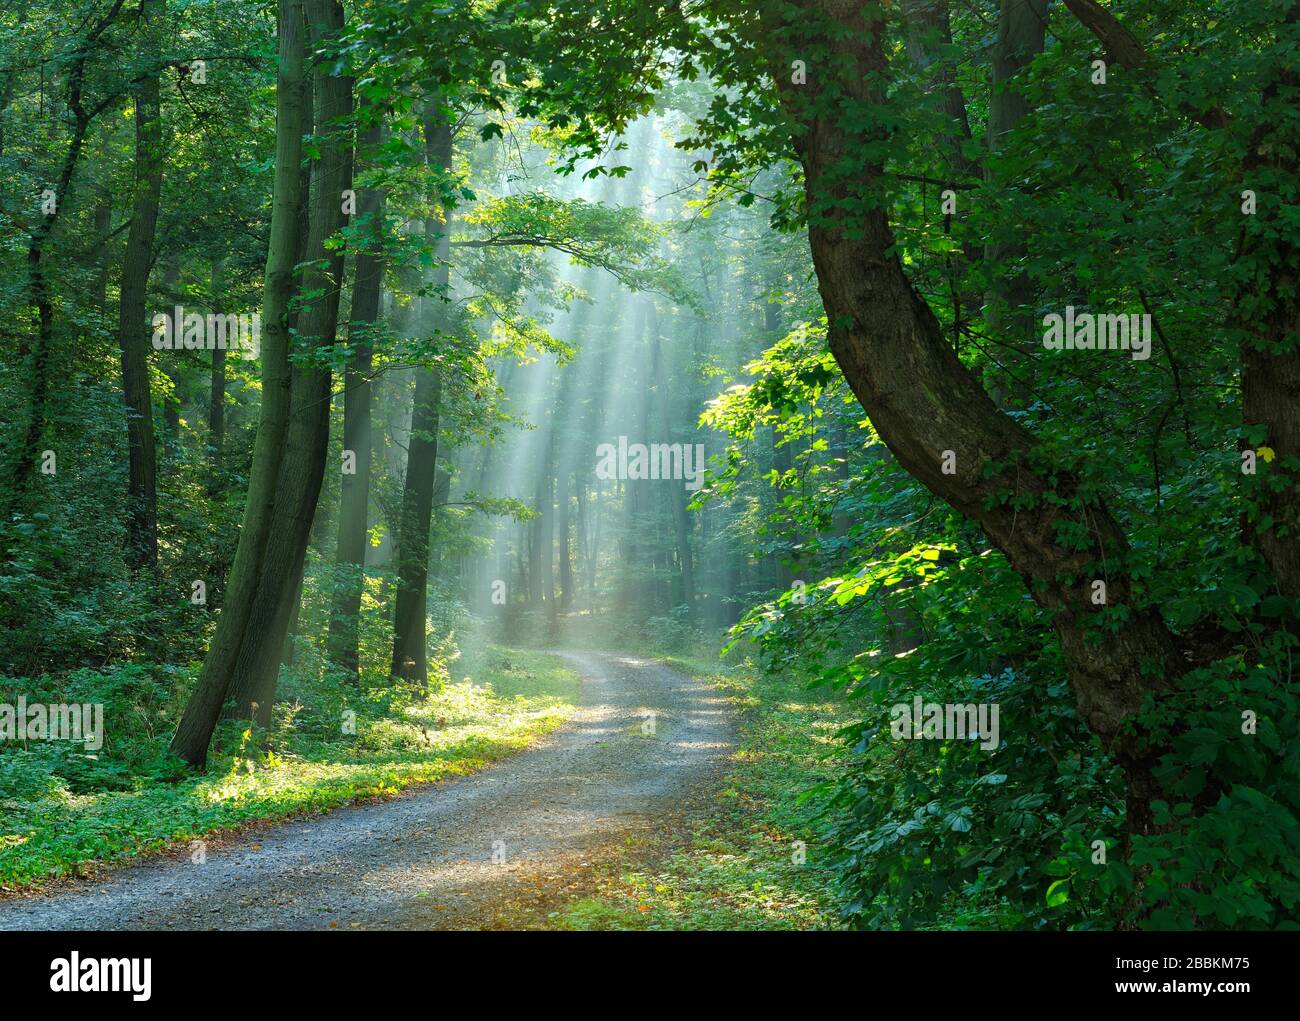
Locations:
354 496
252 687
204 707
410 657
923 401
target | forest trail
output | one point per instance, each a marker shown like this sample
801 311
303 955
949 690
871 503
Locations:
425 860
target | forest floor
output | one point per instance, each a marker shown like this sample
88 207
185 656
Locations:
66 816
466 854
742 853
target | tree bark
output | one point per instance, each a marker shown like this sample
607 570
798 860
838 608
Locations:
217 410
204 707
133 335
923 401
302 468
103 224
928 19
216 399
540 493
1121 47
564 531
546 519
410 657
1270 355
354 496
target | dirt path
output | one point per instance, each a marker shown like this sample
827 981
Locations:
426 860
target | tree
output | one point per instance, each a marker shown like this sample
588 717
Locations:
252 685
292 97
149 162
354 500
409 638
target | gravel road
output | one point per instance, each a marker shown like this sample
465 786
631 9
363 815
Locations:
441 856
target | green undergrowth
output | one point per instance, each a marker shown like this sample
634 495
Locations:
62 806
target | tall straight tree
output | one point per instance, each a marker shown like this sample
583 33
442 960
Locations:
216 397
354 496
410 657
142 479
677 501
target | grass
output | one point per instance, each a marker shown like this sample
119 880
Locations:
55 821
735 865
723 859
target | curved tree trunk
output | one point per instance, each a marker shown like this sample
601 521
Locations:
204 707
302 468
923 401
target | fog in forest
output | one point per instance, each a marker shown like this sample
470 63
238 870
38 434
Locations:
744 464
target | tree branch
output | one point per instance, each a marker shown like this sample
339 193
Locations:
1122 47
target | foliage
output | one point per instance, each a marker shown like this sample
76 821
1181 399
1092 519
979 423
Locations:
619 245
63 808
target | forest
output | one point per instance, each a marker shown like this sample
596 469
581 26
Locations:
650 464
